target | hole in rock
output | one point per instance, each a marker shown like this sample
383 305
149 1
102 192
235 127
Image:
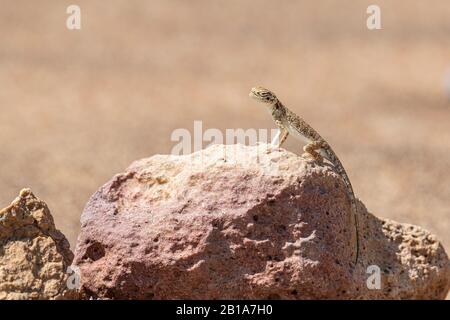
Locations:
95 251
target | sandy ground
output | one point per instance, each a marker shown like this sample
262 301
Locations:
79 106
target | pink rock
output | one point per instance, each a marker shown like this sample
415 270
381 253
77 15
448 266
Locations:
233 222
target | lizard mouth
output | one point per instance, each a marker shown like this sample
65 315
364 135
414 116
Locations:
262 95
252 95
255 96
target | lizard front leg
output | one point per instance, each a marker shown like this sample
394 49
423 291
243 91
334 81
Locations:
280 138
310 150
283 136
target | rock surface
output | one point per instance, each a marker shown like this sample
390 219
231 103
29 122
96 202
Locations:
34 255
235 222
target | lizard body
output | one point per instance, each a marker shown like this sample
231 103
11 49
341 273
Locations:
316 147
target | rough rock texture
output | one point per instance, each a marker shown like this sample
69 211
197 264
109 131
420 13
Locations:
235 222
34 255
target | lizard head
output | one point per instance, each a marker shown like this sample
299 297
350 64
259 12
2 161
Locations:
263 95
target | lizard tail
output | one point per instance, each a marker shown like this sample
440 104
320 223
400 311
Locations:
329 154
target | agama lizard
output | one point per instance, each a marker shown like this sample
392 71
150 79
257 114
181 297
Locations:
316 147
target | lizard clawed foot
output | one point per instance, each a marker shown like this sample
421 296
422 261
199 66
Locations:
273 148
310 157
310 151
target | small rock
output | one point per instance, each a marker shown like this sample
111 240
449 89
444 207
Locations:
34 255
233 222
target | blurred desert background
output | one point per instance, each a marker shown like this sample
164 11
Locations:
79 106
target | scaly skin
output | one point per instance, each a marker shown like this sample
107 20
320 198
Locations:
316 147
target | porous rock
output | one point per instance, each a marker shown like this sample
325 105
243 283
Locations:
237 222
34 255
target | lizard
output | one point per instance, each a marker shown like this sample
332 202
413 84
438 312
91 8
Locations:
316 147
